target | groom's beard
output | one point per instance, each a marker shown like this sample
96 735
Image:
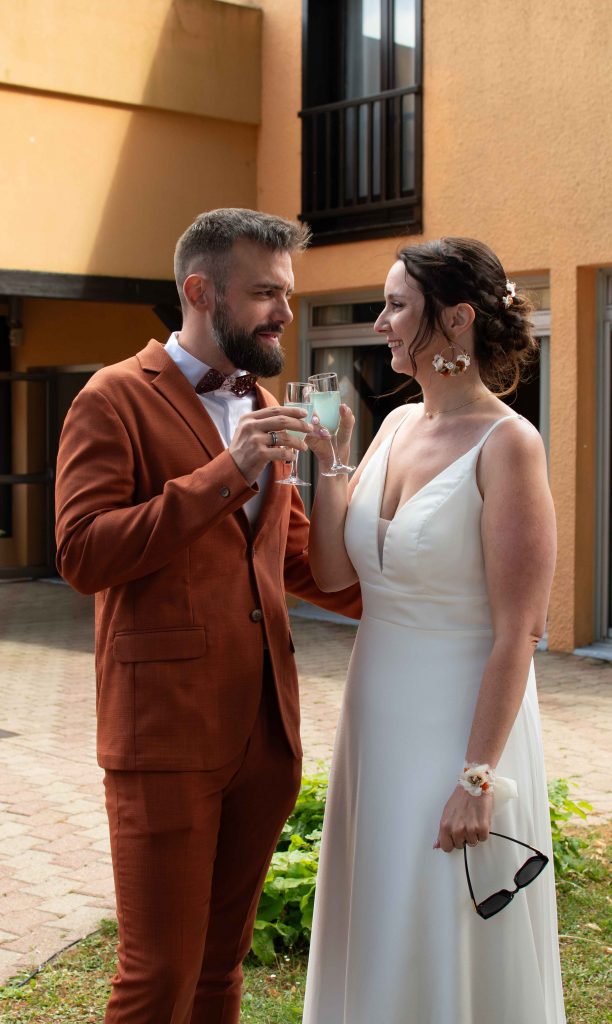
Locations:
243 348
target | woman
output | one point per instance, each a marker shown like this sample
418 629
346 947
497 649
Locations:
449 527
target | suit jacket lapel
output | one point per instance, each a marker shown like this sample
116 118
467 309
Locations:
177 390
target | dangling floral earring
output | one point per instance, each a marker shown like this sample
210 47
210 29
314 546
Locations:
453 366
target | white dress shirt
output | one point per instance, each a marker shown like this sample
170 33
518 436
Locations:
224 408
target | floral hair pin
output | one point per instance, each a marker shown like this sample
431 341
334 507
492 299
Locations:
510 295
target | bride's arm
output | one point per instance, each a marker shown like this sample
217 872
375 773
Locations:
518 536
329 562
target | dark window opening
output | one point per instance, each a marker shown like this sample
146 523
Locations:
362 118
526 399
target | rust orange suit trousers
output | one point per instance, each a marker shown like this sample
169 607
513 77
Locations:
190 855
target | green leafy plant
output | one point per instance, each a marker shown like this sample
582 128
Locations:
284 915
569 850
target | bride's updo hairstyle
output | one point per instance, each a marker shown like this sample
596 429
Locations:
454 270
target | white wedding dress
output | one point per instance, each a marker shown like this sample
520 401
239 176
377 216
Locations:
395 938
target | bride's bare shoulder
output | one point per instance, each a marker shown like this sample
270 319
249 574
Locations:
513 454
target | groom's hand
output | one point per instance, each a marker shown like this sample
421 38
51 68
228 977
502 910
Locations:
251 447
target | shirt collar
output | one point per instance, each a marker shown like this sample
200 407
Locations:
193 368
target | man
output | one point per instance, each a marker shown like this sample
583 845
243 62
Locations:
167 509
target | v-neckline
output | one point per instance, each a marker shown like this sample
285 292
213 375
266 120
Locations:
400 508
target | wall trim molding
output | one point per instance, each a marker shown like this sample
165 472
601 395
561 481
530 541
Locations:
87 287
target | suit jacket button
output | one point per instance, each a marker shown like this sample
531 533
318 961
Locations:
224 492
256 615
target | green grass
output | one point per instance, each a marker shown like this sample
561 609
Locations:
274 995
585 938
74 987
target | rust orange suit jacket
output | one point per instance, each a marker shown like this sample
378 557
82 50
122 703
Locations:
149 517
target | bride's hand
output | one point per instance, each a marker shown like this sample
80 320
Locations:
319 441
465 819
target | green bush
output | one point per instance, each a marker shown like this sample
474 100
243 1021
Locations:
569 851
284 915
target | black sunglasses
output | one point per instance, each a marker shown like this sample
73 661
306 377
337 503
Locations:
525 874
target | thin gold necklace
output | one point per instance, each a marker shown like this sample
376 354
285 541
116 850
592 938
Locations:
443 412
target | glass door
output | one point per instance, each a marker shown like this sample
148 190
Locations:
33 405
26 476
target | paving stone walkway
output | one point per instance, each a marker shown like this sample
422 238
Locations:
55 871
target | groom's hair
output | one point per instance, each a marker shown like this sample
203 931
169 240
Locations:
207 243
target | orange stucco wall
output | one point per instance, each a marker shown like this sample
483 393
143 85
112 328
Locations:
118 128
516 152
190 56
62 333
96 188
586 451
119 125
513 147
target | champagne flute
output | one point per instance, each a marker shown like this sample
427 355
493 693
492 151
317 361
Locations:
297 396
326 405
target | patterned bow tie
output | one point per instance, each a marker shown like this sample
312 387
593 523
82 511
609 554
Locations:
213 380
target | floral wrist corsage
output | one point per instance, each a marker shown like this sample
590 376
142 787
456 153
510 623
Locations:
481 778
478 779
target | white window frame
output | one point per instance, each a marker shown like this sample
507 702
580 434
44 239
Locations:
340 336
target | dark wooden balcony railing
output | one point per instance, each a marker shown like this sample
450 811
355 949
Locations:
361 166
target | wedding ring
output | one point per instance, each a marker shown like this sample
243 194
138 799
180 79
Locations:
274 438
